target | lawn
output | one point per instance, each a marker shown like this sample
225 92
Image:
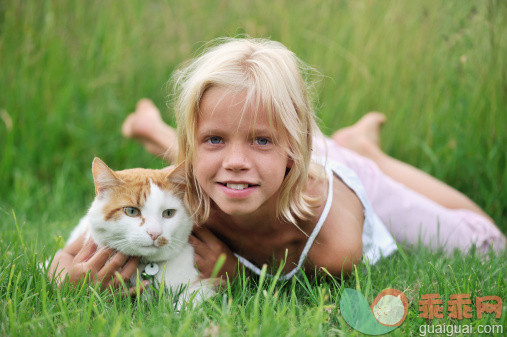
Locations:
71 71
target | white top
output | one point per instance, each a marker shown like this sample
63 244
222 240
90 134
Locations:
377 241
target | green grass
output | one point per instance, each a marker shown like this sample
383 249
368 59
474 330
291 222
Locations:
71 71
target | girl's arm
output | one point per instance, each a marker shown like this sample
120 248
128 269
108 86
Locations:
339 246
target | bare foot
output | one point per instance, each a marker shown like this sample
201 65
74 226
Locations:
363 136
146 126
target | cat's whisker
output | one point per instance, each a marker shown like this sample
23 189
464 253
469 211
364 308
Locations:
178 241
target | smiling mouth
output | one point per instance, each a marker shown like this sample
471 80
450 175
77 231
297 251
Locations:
237 186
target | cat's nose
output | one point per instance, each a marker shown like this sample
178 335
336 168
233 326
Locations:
154 232
154 236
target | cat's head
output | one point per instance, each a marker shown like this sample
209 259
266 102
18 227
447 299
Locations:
140 212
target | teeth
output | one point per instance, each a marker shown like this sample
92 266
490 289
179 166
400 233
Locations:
237 186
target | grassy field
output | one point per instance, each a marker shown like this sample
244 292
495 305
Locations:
70 71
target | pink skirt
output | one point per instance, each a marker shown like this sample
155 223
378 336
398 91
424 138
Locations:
411 217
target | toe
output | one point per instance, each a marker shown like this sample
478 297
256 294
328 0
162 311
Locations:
375 117
126 128
342 136
144 103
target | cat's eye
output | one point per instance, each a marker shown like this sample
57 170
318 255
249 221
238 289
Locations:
131 211
168 213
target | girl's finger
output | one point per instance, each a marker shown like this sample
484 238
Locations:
193 240
211 241
98 260
75 246
200 250
114 281
202 266
205 235
78 271
194 236
133 291
128 270
198 260
87 251
113 265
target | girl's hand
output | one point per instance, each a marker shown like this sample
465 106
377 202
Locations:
208 248
104 266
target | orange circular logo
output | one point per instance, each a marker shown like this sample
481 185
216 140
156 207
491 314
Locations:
390 307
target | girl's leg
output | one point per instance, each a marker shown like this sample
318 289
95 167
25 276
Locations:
146 125
413 218
363 138
413 213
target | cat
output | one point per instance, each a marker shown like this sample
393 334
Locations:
140 212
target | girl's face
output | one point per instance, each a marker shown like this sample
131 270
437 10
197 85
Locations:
236 162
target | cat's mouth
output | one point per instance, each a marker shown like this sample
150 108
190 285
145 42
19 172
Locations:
148 251
152 245
159 243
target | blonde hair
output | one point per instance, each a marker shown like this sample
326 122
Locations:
272 77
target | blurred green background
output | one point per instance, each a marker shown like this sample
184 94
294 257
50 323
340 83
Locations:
71 71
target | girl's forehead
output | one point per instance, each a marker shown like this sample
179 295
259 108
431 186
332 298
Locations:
233 108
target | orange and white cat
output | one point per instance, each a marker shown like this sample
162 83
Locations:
140 212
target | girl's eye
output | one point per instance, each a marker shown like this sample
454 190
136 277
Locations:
168 213
262 141
131 211
214 140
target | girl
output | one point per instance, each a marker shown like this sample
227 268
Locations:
264 185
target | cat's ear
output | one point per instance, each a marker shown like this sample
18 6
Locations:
103 176
176 176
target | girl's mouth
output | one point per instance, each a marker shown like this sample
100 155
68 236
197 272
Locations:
239 187
238 190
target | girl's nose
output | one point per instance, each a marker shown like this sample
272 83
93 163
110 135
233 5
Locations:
236 158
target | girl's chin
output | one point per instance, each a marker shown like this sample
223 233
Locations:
237 211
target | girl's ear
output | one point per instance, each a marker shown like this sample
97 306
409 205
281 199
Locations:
290 163
103 177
